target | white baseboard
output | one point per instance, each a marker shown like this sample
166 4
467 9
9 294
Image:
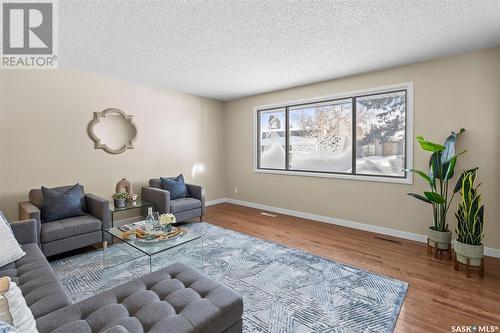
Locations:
350 224
215 202
491 252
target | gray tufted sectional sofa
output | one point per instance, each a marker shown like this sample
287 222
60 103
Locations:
175 299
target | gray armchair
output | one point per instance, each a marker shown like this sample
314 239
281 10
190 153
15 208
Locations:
184 208
69 233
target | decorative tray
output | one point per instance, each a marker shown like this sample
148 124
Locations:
139 235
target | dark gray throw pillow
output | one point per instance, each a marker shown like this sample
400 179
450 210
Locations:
175 186
61 204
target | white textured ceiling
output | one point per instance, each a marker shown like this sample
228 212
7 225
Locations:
229 49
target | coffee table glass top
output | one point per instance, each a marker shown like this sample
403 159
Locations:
152 248
130 205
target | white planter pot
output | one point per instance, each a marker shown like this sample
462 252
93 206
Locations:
439 239
473 252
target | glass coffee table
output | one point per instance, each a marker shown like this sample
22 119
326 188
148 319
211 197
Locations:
186 248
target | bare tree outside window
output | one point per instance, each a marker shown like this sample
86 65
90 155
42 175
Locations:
380 139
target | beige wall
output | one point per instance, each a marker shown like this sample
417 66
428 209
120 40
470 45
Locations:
43 138
461 91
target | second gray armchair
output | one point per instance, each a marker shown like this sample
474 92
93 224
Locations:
184 209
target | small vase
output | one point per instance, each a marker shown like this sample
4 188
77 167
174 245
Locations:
440 239
120 203
473 252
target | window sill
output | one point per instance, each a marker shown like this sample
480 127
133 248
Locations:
408 180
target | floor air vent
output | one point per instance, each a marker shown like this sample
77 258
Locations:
388 240
268 214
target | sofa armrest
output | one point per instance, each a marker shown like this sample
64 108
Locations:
28 211
197 192
99 208
160 197
25 231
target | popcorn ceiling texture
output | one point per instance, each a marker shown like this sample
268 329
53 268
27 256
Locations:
229 49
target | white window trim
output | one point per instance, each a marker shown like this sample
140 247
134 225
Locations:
408 86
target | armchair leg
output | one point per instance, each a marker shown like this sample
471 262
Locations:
201 218
104 245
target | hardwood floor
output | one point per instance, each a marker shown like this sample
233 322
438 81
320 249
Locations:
438 296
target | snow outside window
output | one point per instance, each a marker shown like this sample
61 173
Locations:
357 136
320 137
272 137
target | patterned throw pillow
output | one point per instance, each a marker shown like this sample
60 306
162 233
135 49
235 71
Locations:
13 308
10 249
175 186
59 205
6 328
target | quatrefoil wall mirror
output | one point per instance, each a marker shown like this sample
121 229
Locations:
112 131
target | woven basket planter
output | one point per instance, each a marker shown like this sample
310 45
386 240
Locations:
473 252
440 240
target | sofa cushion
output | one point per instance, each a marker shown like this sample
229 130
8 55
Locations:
183 204
175 186
61 204
36 196
69 227
173 299
187 215
116 329
37 281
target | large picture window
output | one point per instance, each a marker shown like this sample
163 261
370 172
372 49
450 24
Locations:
359 135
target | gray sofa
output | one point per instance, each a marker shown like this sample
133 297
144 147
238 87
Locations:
184 209
33 274
175 299
72 232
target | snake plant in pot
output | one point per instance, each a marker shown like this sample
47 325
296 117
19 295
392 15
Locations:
470 220
441 169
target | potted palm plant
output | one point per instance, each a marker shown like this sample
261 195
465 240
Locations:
441 169
470 221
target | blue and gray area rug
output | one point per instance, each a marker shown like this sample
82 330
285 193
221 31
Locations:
284 290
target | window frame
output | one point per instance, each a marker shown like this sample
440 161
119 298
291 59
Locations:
406 179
